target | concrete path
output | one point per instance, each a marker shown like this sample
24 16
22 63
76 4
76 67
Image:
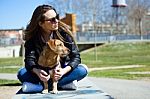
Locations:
116 67
8 76
86 90
97 88
123 89
117 88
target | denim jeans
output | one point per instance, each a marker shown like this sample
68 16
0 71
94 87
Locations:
77 74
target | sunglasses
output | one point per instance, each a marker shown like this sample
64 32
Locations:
53 20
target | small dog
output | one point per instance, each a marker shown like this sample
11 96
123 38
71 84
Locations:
50 58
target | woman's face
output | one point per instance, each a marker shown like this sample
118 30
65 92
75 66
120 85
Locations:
51 22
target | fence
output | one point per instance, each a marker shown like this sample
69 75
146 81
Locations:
8 46
108 37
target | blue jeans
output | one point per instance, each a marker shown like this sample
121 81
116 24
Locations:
77 74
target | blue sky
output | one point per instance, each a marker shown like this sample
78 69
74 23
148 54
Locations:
15 14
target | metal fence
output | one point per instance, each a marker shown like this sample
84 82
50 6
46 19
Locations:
107 37
86 37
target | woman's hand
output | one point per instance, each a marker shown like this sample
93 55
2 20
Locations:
41 74
59 72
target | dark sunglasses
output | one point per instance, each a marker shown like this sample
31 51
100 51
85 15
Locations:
53 20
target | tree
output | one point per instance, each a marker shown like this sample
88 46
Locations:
136 12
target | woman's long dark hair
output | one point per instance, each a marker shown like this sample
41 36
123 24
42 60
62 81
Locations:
38 16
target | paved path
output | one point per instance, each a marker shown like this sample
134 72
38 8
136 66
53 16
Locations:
116 67
123 89
86 90
8 76
117 88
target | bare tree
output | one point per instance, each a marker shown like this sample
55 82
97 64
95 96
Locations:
137 10
93 10
81 7
60 5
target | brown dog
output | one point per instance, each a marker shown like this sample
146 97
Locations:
50 57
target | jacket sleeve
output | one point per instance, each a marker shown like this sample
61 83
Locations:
74 54
30 56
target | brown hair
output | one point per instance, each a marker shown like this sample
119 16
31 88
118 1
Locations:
38 16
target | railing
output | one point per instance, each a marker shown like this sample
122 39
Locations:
108 37
87 37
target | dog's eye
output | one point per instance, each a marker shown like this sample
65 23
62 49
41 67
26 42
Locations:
60 44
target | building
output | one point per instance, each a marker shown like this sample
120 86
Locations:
70 20
10 42
98 27
9 37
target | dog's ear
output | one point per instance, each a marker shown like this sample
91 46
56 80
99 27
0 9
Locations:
51 44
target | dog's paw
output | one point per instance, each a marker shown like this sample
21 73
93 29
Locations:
54 91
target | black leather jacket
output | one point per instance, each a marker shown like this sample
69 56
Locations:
34 46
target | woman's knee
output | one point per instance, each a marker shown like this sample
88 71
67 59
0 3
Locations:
83 70
27 76
21 72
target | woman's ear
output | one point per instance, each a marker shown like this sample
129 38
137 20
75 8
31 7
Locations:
40 23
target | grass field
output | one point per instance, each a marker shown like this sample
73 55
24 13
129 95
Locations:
118 54
4 82
111 54
10 65
123 73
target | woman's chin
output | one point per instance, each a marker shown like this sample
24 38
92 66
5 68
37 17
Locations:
55 28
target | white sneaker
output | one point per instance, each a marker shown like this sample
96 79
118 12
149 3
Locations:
70 86
75 82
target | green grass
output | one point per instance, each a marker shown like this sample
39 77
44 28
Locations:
122 73
11 61
6 67
4 82
9 70
10 65
118 54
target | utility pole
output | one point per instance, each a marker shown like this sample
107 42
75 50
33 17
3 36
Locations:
94 29
140 21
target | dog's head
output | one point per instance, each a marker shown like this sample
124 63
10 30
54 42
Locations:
58 47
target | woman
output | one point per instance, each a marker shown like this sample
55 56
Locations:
45 25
